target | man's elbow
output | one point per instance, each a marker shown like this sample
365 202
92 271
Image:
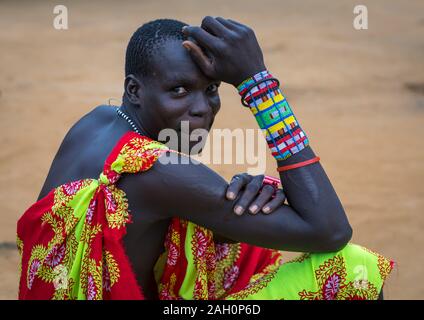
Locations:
342 237
336 238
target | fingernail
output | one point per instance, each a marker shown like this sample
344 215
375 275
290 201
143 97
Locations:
230 195
238 210
266 209
253 208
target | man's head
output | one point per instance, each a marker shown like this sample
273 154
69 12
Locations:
146 42
163 84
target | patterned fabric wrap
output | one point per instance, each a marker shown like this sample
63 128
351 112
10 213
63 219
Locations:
194 267
70 244
70 241
273 114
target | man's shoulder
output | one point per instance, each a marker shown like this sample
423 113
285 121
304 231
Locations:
91 120
100 111
90 138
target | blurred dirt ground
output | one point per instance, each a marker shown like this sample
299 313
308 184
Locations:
358 94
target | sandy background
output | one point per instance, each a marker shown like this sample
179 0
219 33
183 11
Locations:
358 94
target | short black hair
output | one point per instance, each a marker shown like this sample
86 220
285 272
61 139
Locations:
146 41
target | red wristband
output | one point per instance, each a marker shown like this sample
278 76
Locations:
298 165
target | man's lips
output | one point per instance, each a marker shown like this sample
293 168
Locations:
195 126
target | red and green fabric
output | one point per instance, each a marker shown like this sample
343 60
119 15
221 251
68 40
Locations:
71 240
194 267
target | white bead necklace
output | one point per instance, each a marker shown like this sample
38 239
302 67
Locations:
127 118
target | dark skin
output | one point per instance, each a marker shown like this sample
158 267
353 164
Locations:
183 87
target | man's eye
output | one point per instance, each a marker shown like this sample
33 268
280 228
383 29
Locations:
179 90
213 88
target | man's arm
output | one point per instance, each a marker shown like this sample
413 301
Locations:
315 219
289 144
196 193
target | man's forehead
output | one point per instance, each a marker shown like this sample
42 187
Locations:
173 63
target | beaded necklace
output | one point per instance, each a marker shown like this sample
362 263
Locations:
127 118
135 128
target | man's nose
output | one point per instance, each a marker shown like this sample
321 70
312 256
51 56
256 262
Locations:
200 107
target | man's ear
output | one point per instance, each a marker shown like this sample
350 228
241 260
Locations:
133 89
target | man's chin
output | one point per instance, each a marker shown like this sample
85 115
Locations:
187 146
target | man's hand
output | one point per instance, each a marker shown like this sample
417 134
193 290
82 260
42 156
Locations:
254 195
230 52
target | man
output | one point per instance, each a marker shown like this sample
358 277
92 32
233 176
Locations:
172 75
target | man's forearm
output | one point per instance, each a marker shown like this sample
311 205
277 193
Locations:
308 188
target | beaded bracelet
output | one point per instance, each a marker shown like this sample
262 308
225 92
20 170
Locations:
243 98
273 114
298 165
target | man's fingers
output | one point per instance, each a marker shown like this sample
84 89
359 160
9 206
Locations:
236 184
199 57
238 24
265 196
250 193
275 203
226 23
204 38
213 26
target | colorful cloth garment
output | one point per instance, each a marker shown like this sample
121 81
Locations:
71 240
274 116
71 248
194 267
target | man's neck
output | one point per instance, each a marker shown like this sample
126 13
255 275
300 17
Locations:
130 110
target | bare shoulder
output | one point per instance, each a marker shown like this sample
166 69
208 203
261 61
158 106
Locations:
97 115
